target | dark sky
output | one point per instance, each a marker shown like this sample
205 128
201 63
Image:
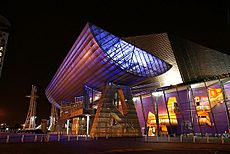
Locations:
42 32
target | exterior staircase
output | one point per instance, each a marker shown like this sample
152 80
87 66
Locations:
110 121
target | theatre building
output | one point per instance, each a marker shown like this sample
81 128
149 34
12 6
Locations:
153 84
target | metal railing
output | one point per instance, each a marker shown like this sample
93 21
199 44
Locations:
36 138
29 138
188 139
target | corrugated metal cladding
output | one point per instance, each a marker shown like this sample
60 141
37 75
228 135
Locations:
159 45
98 57
190 60
196 61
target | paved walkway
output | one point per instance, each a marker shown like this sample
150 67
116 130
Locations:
103 146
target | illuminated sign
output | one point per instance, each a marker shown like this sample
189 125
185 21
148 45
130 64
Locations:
202 109
151 119
215 95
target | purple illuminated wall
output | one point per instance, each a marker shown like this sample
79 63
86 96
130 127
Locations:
219 112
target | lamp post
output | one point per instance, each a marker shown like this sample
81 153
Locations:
67 127
87 124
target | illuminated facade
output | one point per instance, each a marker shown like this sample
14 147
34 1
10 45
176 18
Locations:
95 84
98 57
197 108
4 33
159 45
96 60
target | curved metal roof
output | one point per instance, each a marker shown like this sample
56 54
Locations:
96 58
127 56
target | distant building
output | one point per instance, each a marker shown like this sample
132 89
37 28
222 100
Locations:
4 33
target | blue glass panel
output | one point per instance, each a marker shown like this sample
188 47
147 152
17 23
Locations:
127 56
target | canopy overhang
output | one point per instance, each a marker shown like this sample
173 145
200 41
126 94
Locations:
98 57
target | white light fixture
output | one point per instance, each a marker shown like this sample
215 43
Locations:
197 85
171 77
135 99
157 93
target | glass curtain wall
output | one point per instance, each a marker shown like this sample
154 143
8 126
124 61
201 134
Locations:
198 109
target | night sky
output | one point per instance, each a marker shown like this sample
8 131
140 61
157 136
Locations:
42 33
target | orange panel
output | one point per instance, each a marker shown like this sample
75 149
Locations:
72 114
123 103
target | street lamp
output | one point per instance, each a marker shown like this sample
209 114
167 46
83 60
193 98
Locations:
87 124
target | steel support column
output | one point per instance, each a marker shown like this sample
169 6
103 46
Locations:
143 112
166 104
181 111
196 110
156 114
190 110
213 117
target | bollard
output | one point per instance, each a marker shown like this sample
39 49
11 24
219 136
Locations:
96 137
106 136
207 137
157 138
88 137
77 137
48 138
22 139
68 138
35 138
7 138
181 138
42 138
168 138
58 139
222 139
194 139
